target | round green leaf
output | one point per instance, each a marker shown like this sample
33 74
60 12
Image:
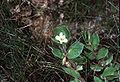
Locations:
111 77
94 40
103 52
108 61
108 71
97 79
75 50
57 53
71 72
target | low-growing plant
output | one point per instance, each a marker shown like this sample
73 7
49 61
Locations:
75 57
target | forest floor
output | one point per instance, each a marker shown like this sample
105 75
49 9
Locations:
26 29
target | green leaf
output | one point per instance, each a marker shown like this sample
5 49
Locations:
94 40
57 53
97 79
117 66
96 67
74 80
108 61
103 52
75 50
112 77
86 36
116 75
108 71
71 72
90 56
80 60
61 28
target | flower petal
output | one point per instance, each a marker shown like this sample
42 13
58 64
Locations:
61 34
65 40
57 37
61 42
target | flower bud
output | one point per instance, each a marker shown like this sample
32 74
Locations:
68 64
64 61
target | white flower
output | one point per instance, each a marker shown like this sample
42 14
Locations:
61 38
